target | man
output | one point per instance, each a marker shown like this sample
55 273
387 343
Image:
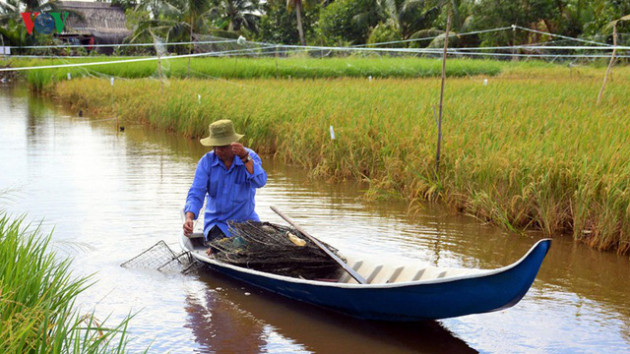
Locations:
227 177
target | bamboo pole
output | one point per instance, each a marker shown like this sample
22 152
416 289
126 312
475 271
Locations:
610 64
612 57
192 45
439 142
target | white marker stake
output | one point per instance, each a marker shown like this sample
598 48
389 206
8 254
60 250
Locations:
111 81
332 133
370 78
199 98
69 76
485 82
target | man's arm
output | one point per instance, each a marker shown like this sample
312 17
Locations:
253 164
196 194
249 164
258 176
189 223
239 150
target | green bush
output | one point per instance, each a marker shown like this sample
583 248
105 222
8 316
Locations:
385 32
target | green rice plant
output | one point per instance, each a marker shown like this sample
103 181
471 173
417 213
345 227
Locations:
528 150
252 68
37 296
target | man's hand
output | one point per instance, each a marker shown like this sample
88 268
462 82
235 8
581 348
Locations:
189 223
239 150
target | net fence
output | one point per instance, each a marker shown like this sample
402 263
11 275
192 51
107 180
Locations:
539 46
162 258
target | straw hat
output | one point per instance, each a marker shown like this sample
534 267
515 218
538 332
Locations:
221 134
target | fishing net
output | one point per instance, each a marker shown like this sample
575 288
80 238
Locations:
275 249
162 258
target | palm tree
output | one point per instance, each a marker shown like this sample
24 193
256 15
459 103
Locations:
176 20
9 14
408 16
298 5
11 25
232 15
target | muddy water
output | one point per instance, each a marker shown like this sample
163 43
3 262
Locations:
110 195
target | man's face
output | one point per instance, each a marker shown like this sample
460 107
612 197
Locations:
224 152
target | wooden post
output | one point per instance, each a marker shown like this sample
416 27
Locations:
612 61
4 50
439 142
514 57
191 45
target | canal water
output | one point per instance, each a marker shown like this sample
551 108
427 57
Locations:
110 195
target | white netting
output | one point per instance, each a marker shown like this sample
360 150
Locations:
162 258
548 46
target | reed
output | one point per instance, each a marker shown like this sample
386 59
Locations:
529 150
37 296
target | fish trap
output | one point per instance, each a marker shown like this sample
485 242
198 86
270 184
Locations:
275 249
162 258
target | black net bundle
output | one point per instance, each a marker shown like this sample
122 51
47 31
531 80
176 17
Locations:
275 249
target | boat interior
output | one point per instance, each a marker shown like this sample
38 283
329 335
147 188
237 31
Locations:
376 271
390 270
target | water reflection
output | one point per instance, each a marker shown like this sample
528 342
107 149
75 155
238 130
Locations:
269 321
217 323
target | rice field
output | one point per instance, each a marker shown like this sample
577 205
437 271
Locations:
526 149
37 296
250 68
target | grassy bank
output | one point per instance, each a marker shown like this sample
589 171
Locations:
248 68
37 295
528 150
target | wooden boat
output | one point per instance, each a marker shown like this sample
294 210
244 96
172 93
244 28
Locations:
396 290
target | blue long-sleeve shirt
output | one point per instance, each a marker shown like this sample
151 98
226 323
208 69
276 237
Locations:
229 193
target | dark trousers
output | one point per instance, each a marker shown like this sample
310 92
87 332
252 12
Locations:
214 234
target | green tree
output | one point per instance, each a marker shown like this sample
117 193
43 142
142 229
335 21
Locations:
408 16
600 13
349 21
232 15
126 4
402 19
501 13
277 25
461 21
298 5
12 27
461 14
385 32
175 20
11 32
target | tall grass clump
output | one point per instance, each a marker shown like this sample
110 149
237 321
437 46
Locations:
528 150
37 295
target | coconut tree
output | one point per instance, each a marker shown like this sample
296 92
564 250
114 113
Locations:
298 6
12 9
401 19
12 28
9 29
176 20
233 15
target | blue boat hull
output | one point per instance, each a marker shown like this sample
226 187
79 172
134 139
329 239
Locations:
410 301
